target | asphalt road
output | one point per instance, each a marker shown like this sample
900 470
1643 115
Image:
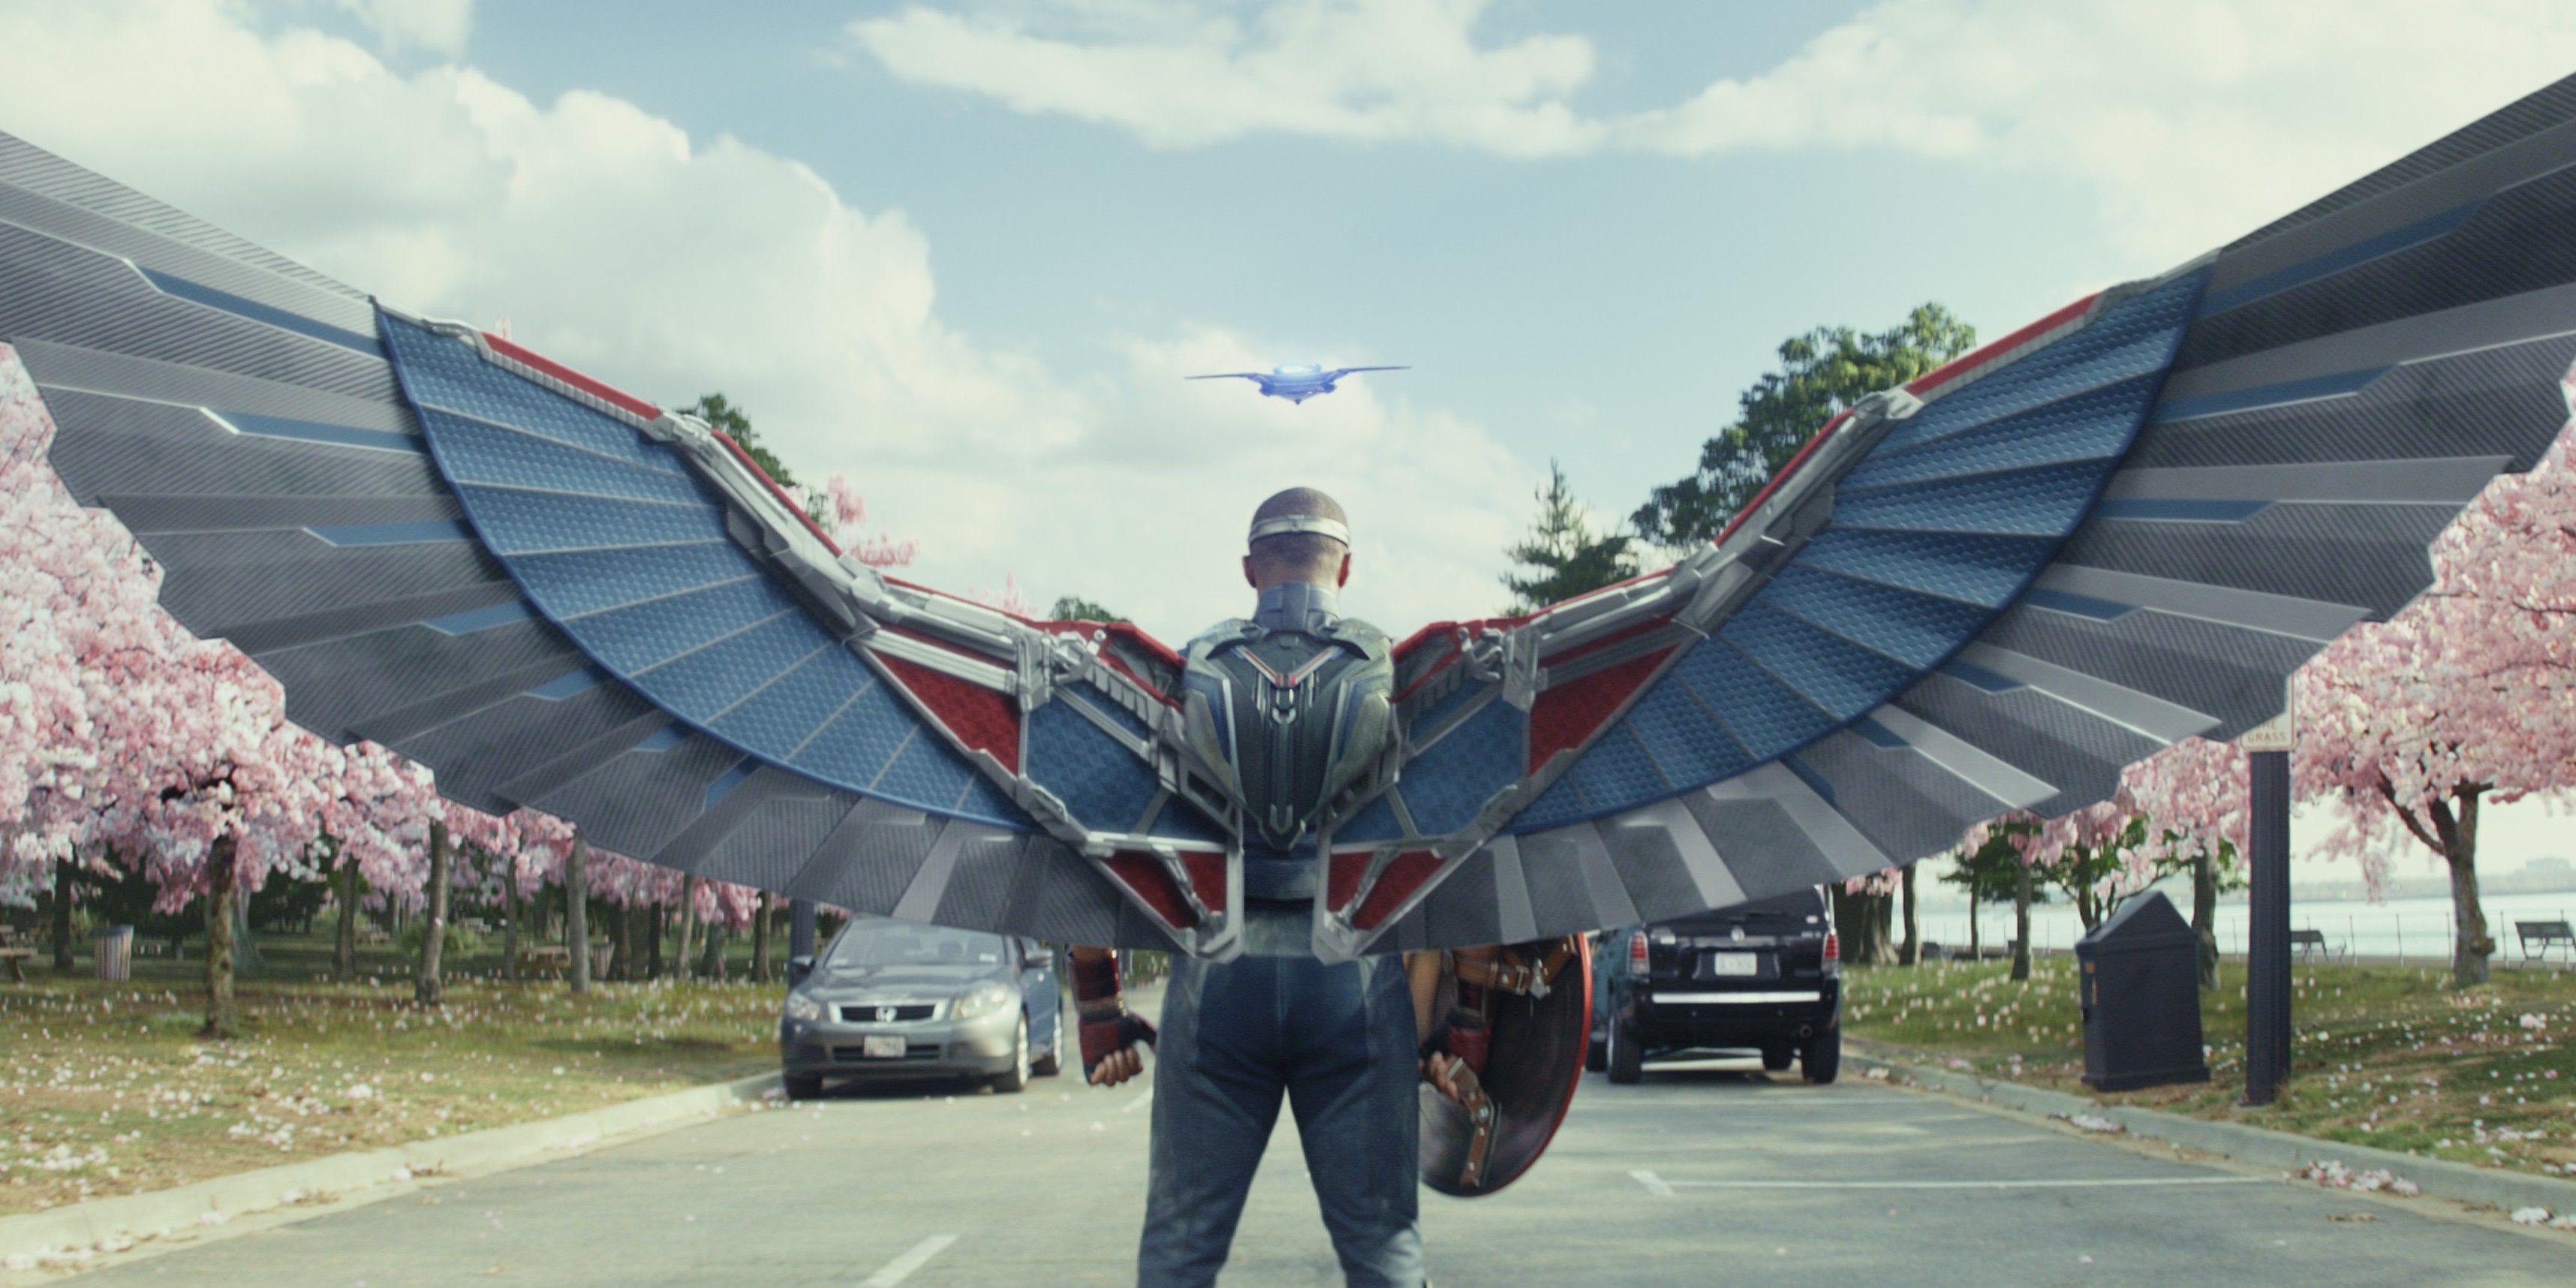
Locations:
1703 1175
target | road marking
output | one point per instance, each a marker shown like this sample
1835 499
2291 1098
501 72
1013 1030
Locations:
901 1268
1138 1103
1663 1188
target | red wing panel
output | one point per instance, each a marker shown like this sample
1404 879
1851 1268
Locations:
983 719
1145 875
1404 874
1567 715
1207 877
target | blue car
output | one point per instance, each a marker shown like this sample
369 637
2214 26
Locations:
892 999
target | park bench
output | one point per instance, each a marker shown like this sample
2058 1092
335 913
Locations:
2540 937
2308 942
553 959
16 957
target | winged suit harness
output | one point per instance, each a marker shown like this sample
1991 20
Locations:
1296 705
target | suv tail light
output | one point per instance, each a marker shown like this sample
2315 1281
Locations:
1637 952
1833 949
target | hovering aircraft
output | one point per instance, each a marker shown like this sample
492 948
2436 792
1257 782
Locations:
1296 384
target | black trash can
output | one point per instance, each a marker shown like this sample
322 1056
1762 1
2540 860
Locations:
2140 986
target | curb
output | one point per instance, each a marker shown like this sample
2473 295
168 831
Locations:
81 1230
2508 1191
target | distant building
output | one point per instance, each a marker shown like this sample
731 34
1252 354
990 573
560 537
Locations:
2552 873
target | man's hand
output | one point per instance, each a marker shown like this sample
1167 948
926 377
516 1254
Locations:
1119 1066
1113 1048
1444 1072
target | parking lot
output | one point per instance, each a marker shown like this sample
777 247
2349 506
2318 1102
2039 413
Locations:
1705 1173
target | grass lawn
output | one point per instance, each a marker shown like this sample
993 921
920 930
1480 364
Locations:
2388 1056
105 1089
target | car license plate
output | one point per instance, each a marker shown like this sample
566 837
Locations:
1742 965
882 1048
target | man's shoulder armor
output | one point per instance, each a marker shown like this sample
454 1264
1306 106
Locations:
1296 717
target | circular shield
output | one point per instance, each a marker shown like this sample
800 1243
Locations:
1536 1002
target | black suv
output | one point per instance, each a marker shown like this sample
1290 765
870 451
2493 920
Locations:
1761 976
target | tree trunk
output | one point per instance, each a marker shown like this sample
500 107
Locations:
653 925
223 1015
577 913
2470 944
1975 946
622 965
711 963
2204 915
344 941
426 988
2021 920
760 936
682 961
1863 921
1912 951
511 905
63 914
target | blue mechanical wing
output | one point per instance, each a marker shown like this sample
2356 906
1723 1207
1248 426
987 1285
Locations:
562 597
2119 527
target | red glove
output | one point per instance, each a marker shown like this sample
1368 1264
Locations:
1106 1027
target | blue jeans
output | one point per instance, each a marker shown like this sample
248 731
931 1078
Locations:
1338 1042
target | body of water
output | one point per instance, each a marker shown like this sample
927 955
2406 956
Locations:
2408 929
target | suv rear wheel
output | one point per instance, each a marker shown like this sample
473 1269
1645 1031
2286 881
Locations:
1822 1058
1627 1060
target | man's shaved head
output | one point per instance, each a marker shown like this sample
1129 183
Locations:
1297 556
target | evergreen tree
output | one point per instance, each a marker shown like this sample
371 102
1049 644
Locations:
1563 553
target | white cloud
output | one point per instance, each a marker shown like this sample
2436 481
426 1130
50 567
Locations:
2190 120
1355 69
439 26
672 266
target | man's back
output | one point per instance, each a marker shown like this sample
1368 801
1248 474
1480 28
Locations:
1297 703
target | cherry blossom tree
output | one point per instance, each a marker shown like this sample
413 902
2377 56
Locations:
2194 799
2468 696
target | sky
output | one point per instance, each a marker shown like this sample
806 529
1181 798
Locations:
964 253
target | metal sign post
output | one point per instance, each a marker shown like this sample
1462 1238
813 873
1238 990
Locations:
2267 941
800 928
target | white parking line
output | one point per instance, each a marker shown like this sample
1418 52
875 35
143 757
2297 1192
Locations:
901 1268
1663 1188
1138 1103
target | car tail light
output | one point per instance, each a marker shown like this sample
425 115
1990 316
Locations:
1637 952
1833 948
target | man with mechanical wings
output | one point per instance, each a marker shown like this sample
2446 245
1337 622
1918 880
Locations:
2119 526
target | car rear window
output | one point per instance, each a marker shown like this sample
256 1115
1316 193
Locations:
1772 916
906 945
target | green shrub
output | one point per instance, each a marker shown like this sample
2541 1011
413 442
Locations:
456 945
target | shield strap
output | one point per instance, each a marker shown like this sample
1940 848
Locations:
1481 1116
1509 972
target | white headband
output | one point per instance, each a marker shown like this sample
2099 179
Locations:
1287 523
